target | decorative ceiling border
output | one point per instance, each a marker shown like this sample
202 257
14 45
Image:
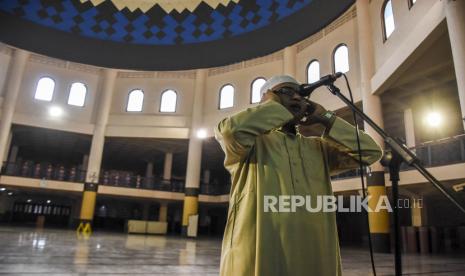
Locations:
39 39
166 5
346 17
245 64
156 75
59 63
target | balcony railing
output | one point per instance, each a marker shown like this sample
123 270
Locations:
128 180
49 171
215 189
442 152
125 179
435 153
348 174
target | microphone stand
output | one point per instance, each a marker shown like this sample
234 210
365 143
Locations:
393 159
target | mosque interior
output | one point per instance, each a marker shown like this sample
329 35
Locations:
108 108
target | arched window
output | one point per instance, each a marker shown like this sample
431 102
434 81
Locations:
341 59
135 100
168 101
77 94
255 95
44 90
388 19
313 71
227 96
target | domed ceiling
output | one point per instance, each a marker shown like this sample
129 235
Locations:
162 34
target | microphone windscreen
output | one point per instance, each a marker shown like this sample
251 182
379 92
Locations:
304 90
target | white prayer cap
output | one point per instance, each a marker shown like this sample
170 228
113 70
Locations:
276 81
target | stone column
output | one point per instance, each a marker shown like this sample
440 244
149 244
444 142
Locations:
163 212
206 182
7 147
409 128
289 62
89 197
12 85
378 221
419 217
417 212
194 155
85 161
455 15
98 139
13 154
149 170
149 180
167 166
206 176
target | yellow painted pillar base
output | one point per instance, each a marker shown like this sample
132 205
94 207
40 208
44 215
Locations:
84 228
191 207
89 198
378 220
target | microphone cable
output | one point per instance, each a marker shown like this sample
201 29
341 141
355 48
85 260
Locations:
362 174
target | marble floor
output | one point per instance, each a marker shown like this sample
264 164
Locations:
25 251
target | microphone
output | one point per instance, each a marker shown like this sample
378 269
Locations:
307 89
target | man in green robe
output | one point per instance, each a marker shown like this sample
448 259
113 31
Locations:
266 156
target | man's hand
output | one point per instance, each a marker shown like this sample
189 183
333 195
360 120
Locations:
271 96
314 115
295 104
305 112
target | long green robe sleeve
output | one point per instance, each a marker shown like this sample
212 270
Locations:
264 161
340 143
237 134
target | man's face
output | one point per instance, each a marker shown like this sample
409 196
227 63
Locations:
290 99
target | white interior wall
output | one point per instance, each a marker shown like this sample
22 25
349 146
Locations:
405 21
34 112
241 80
322 50
151 123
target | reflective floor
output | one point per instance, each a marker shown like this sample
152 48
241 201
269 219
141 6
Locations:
24 251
